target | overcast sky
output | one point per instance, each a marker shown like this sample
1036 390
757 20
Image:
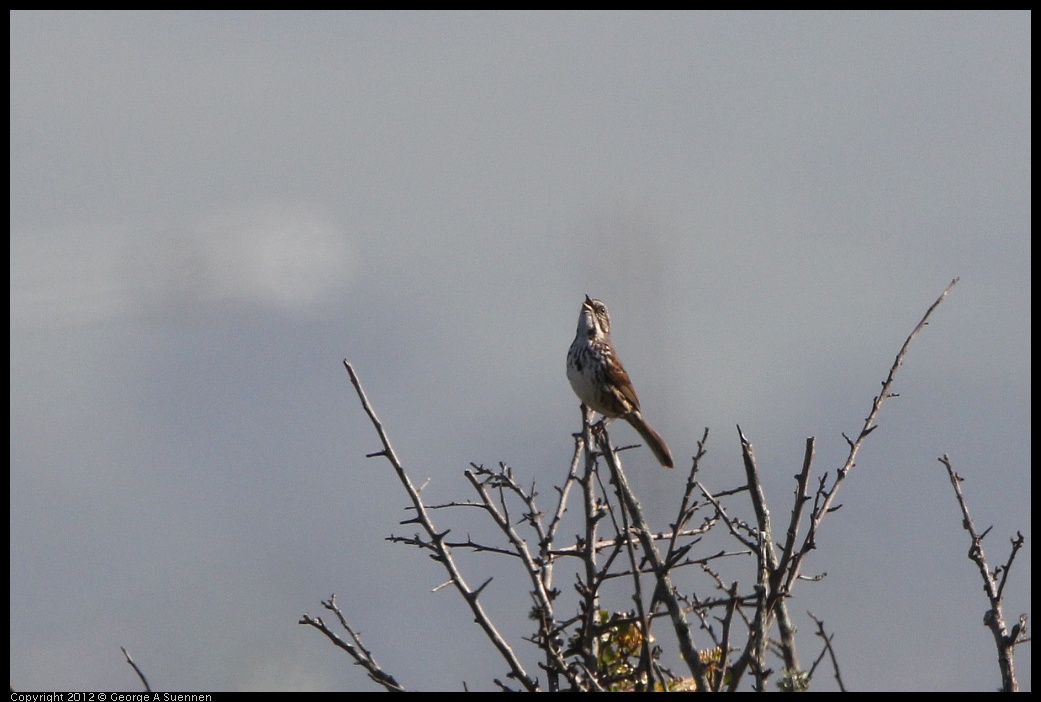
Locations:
210 211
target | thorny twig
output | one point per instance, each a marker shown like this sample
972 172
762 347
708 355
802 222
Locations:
354 648
994 618
827 650
665 590
778 573
443 553
136 669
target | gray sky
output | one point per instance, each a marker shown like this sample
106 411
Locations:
209 211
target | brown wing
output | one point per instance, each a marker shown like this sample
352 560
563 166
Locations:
622 385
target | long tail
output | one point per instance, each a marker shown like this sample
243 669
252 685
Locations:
654 442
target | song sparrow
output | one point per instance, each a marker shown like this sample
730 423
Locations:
599 379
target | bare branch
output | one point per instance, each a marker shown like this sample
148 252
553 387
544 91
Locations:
826 496
538 573
826 650
665 590
443 553
724 645
802 496
361 655
136 669
994 618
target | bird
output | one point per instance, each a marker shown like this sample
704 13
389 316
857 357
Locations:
599 379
